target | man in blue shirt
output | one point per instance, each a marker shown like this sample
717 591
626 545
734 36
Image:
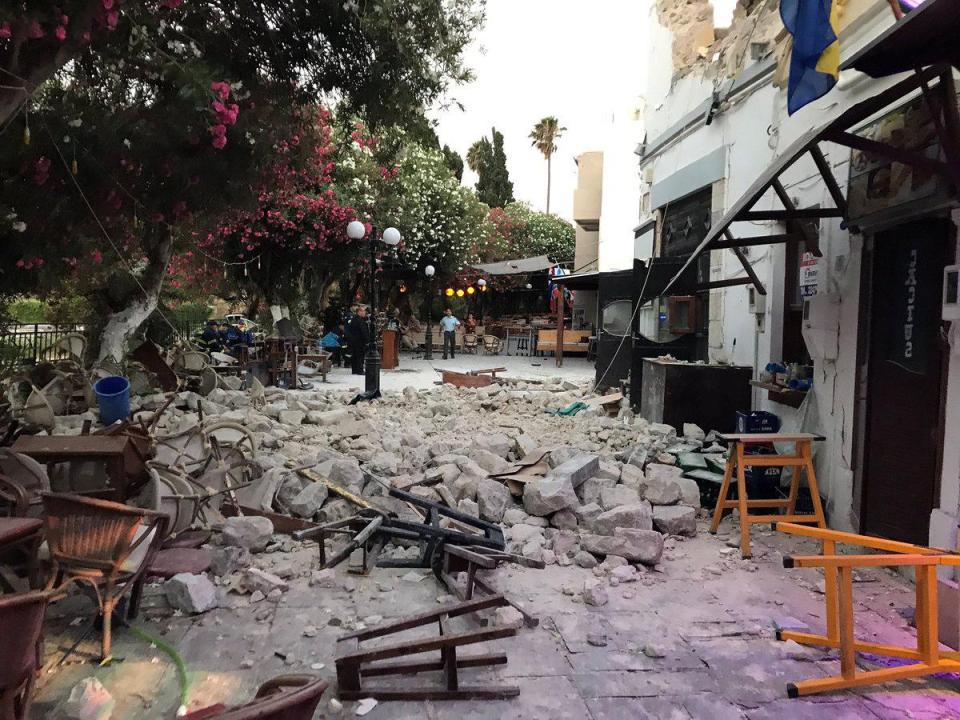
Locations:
449 324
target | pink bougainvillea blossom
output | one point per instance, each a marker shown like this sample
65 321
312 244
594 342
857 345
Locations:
172 4
219 142
222 89
96 256
5 31
60 33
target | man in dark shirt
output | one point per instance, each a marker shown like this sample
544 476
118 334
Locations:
358 334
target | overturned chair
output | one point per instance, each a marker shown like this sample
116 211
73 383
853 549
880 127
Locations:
838 593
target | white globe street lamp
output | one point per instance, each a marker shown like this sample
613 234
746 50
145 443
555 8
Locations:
356 230
391 236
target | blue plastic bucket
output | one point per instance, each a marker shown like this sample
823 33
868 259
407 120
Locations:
113 398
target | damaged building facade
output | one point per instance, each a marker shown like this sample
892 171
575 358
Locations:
849 247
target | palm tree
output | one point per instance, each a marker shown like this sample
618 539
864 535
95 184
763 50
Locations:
544 136
477 154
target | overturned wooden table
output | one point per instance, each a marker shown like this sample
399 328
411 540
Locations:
739 460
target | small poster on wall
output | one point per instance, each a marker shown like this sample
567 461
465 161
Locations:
809 275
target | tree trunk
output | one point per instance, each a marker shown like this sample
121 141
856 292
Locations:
549 174
123 324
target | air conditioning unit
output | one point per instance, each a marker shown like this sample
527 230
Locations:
757 302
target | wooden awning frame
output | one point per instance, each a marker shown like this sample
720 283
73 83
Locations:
943 106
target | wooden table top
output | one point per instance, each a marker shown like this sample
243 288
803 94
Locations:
751 438
40 447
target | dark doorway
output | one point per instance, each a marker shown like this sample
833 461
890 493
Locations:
904 425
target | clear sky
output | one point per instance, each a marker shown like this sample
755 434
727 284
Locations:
577 59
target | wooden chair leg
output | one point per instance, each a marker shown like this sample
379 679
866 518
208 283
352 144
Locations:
136 595
724 491
848 651
742 505
830 593
107 605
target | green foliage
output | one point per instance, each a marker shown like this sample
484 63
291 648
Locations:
454 162
493 186
69 310
189 313
438 217
520 231
28 311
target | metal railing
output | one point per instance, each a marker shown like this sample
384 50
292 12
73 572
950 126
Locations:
22 344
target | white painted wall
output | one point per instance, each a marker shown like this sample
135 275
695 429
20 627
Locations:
756 129
620 207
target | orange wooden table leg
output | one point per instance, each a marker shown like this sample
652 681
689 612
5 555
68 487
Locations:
830 593
848 650
928 642
806 451
724 491
742 504
794 486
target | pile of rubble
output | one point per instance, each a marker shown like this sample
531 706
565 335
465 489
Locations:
601 486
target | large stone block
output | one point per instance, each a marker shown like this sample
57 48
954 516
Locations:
493 498
250 531
190 593
675 520
308 501
577 469
543 497
589 491
617 495
638 516
644 546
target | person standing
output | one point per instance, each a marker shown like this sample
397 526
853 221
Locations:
449 323
358 334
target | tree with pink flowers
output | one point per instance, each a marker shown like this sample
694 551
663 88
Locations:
130 127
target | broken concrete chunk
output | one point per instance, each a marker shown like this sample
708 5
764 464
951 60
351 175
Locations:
493 498
250 531
611 497
577 469
566 544
291 417
589 491
663 430
624 573
689 491
191 594
638 515
693 431
355 428
558 456
228 559
636 456
497 443
644 546
469 507
663 487
595 593
543 497
256 579
585 560
564 520
445 474
586 514
308 501
514 516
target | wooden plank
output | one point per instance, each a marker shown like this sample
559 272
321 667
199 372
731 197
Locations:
426 618
747 267
464 380
784 215
411 668
422 645
490 692
604 400
874 543
775 239
751 438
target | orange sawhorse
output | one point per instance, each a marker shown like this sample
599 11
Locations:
739 460
838 593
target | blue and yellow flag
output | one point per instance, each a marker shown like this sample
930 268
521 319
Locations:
815 59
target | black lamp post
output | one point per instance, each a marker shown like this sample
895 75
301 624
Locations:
356 230
429 271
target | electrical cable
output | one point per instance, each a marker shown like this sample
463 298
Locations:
177 661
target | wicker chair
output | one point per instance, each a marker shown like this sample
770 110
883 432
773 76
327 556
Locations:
104 544
18 529
21 651
492 344
31 480
470 343
288 697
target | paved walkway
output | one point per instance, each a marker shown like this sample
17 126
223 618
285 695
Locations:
708 614
419 373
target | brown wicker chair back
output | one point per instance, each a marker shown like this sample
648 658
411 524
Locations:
21 651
